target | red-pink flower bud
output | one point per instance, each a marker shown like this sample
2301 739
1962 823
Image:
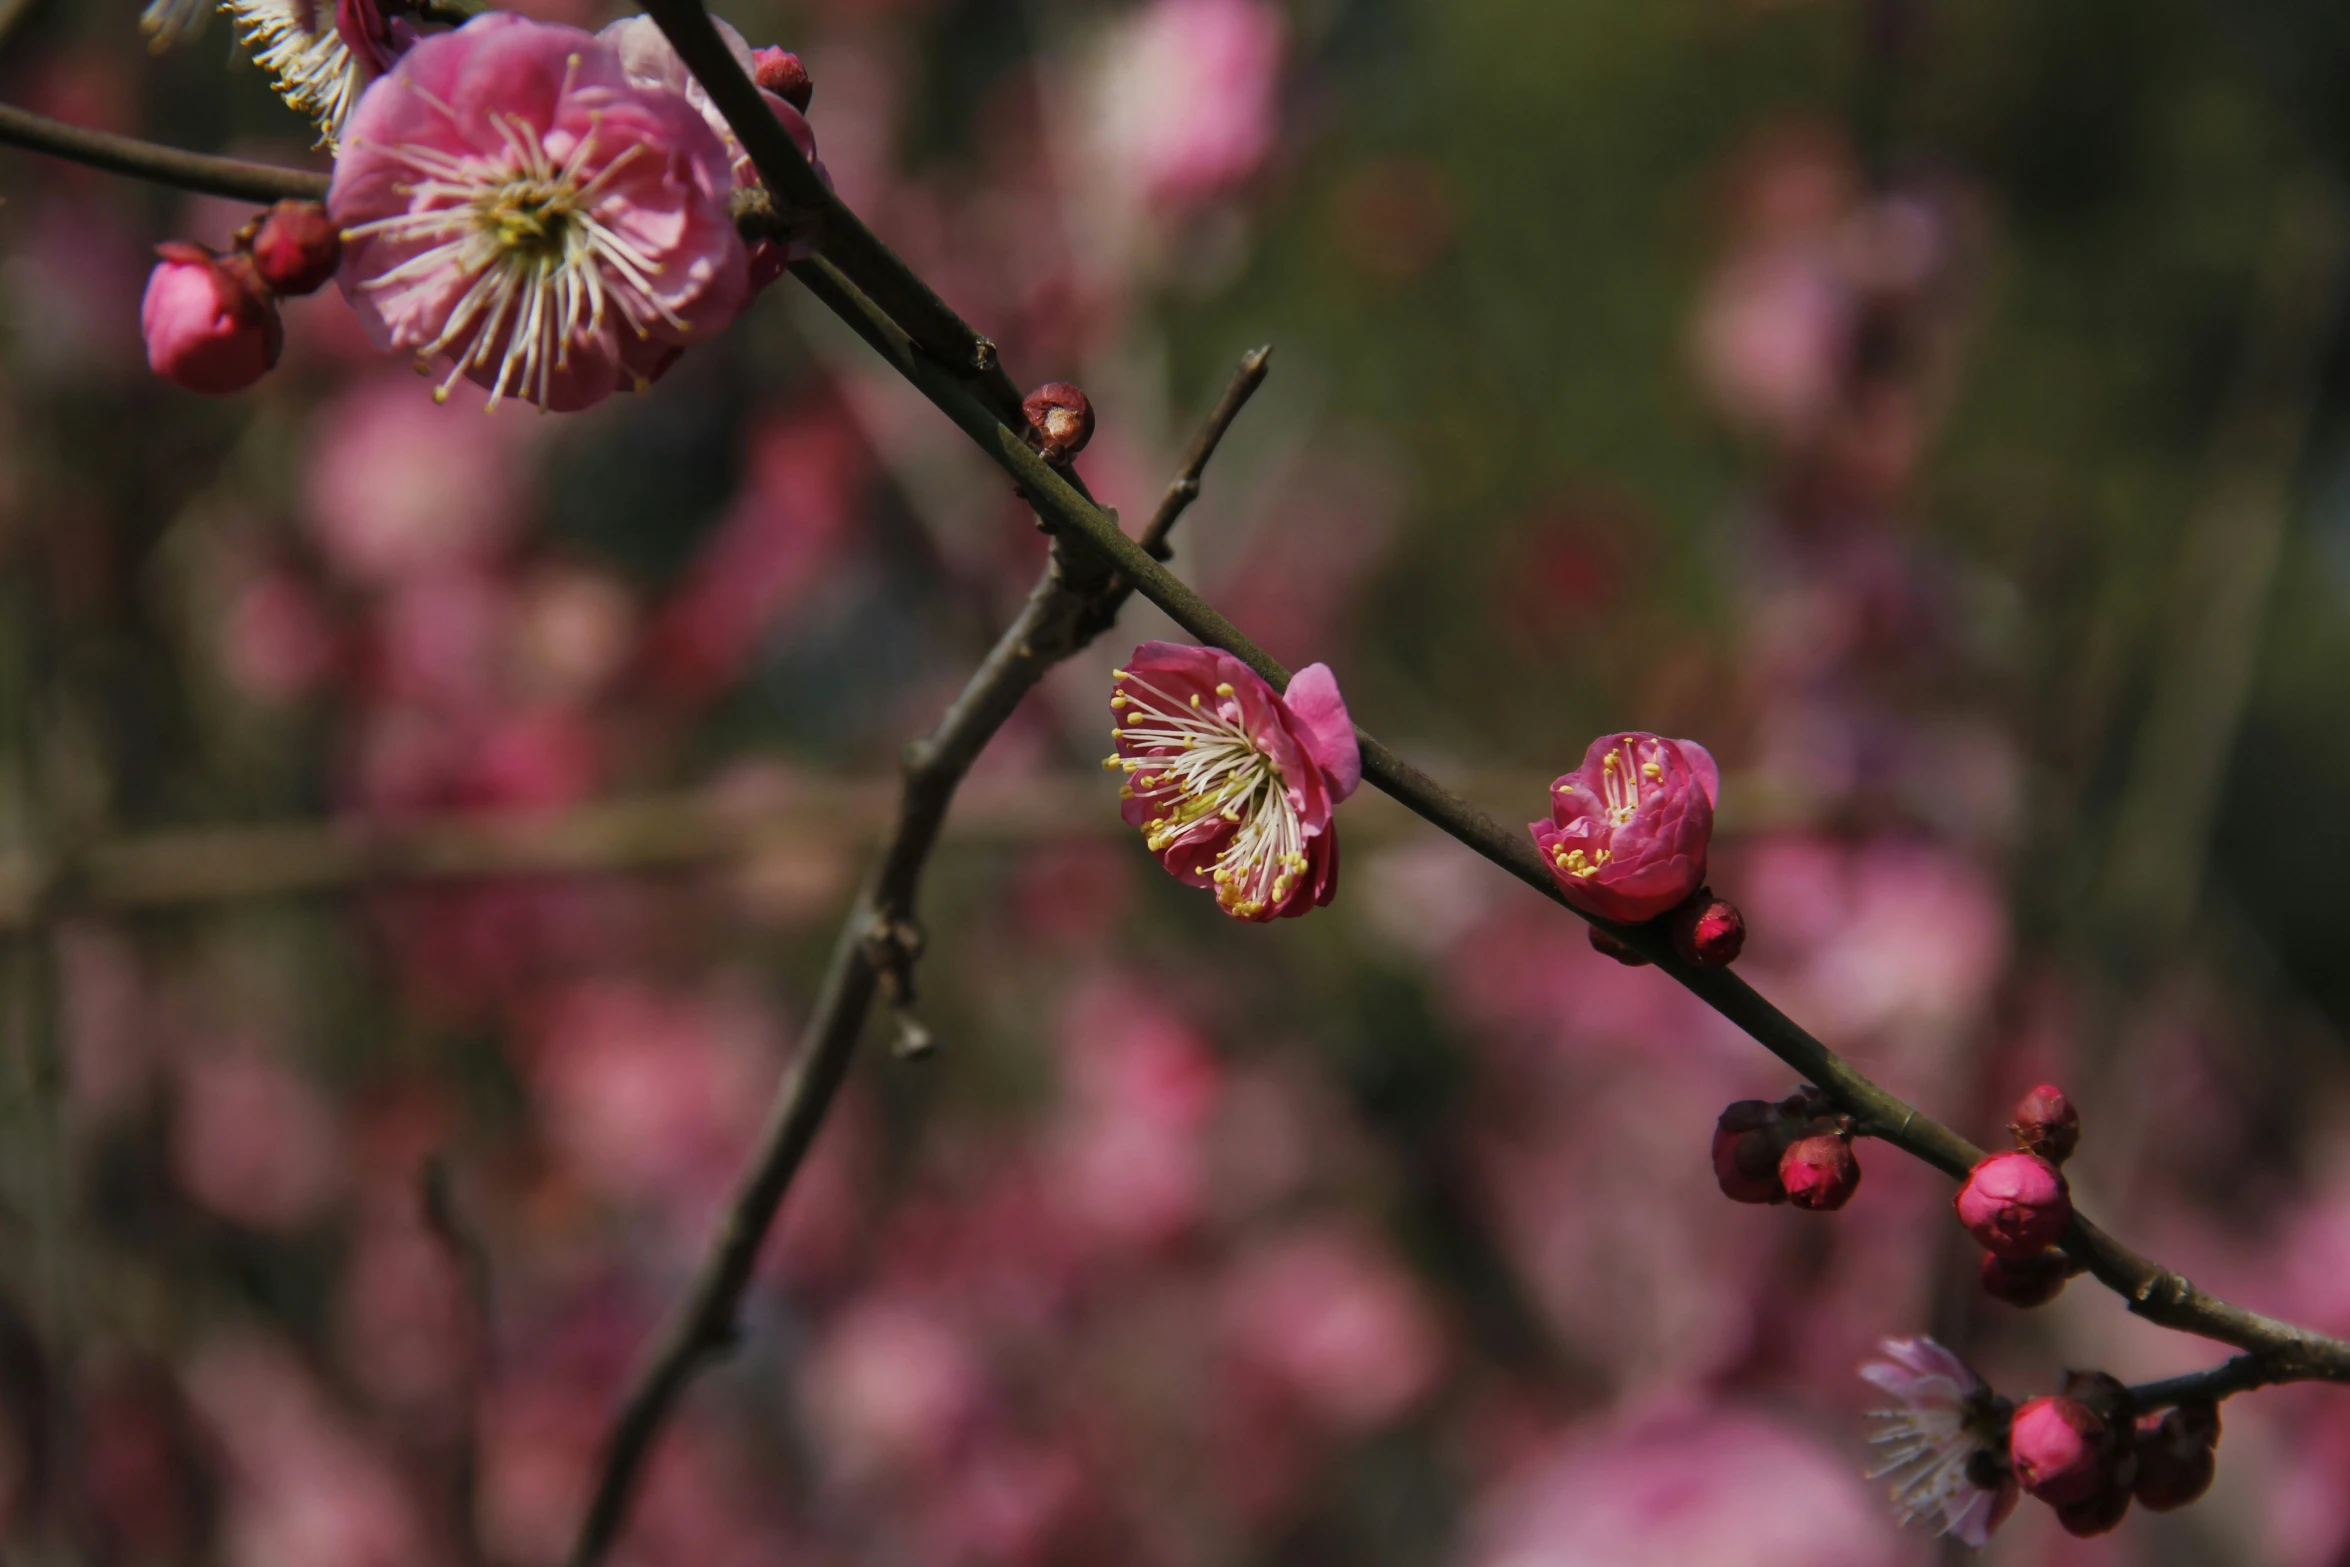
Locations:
781 73
1819 1172
207 320
1748 1139
296 248
1628 830
2026 1281
2059 1449
2015 1204
1061 418
2176 1462
1602 942
1708 931
2046 1124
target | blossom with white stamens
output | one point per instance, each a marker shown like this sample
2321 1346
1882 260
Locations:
1945 1444
518 211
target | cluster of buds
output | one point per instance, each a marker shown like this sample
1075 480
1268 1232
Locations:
210 321
1796 1151
2082 1453
2017 1205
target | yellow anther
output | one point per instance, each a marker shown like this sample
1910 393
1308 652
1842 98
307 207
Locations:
1116 733
1125 792
1111 764
1651 770
1117 701
1195 699
1608 762
1117 674
1224 690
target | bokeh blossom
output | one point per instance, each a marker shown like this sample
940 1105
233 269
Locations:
1231 783
1628 830
514 206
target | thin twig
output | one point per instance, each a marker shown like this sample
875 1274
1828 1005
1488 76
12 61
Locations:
146 160
877 942
438 1200
1185 487
2239 1374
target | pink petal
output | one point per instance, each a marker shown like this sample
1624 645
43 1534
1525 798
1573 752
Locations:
1701 762
1328 732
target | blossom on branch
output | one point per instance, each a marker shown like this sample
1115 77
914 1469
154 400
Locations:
1233 784
1628 830
1946 1443
514 206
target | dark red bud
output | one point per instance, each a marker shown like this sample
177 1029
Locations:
1819 1172
1602 942
1708 931
1060 419
1748 1139
2099 1513
2046 1124
781 73
296 248
2028 1281
2176 1463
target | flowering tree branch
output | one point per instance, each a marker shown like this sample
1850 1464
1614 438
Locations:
876 951
857 277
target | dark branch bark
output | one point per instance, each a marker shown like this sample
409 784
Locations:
146 160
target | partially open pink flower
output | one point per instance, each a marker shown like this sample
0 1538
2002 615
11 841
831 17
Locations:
207 320
1628 829
1233 784
1946 1443
515 206
2015 1204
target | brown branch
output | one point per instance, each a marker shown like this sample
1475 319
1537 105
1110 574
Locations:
2240 1374
1185 487
146 160
876 949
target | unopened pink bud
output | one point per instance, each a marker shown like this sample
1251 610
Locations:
2027 1281
2058 1449
1602 942
296 248
208 322
1748 1139
2176 1461
1819 1172
781 73
1061 418
2047 1124
2016 1205
1708 931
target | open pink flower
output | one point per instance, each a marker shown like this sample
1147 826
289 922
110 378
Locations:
1945 1443
512 203
1233 784
1628 829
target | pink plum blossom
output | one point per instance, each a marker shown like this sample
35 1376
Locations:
1233 785
514 205
1628 830
1945 1444
208 322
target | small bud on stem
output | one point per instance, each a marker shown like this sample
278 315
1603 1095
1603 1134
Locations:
1060 421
